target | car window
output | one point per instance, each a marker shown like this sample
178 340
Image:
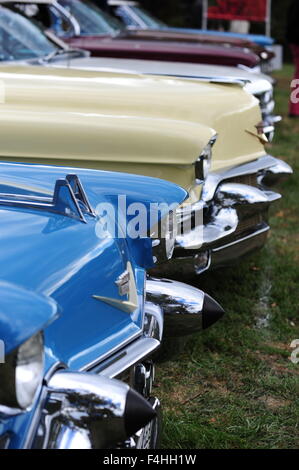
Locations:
92 20
20 39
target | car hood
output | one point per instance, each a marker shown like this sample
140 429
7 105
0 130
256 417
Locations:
87 118
200 38
164 50
51 262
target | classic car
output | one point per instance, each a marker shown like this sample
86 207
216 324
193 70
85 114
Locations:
27 43
86 317
167 34
136 17
204 137
84 26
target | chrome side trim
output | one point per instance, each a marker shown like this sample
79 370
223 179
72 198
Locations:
232 252
237 242
133 354
207 79
91 365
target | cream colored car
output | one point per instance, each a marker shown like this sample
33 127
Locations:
202 136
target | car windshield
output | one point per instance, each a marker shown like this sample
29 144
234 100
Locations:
92 21
147 18
20 39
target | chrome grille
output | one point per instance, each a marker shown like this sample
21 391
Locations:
249 180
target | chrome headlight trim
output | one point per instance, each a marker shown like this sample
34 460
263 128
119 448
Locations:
204 162
22 374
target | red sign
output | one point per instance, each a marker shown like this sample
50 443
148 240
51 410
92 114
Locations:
248 10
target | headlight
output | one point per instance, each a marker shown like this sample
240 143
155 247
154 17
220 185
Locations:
164 236
22 374
203 164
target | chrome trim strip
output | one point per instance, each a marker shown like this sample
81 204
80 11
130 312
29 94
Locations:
132 355
236 242
205 78
91 365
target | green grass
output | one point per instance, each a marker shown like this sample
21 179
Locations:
234 387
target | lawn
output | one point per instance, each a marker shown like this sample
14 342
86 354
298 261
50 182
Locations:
234 387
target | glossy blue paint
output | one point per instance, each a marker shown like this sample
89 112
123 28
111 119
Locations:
60 261
258 39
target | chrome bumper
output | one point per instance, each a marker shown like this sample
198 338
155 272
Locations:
234 213
111 405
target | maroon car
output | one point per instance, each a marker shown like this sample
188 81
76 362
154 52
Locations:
84 26
202 39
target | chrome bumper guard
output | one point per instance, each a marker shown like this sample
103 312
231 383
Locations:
84 410
235 206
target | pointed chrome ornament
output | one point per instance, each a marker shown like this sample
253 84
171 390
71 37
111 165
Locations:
127 286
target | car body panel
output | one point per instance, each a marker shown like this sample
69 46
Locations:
161 124
164 51
78 264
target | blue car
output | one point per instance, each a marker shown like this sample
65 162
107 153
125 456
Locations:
79 317
134 16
